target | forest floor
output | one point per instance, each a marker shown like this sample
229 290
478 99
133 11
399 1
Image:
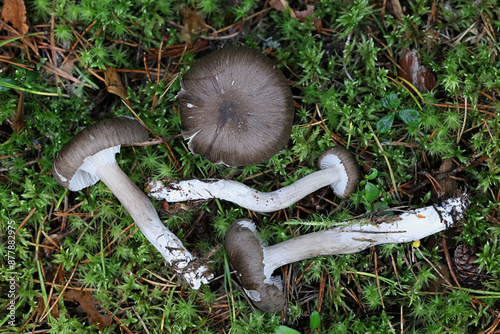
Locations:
411 88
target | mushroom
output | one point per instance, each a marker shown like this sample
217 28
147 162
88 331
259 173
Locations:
255 263
236 107
90 157
338 168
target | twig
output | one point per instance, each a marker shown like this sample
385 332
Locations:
387 161
219 38
444 175
156 141
142 321
377 278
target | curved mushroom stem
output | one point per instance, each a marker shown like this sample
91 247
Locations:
363 233
243 195
146 218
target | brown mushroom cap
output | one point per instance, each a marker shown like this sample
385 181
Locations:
245 253
91 140
236 107
340 156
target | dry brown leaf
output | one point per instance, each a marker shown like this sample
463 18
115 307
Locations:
68 66
415 73
14 12
279 5
41 308
87 303
301 15
192 22
53 241
449 185
114 83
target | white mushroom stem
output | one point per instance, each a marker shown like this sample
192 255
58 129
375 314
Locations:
142 211
243 195
362 234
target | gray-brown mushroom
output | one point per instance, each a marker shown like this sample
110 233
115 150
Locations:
255 262
338 169
236 107
246 254
90 157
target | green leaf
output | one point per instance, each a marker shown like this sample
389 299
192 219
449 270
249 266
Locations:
6 84
391 101
372 192
381 206
19 37
285 330
315 320
385 123
410 116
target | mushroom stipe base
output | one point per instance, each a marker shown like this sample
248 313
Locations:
90 157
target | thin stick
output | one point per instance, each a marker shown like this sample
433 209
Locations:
156 141
45 311
387 161
377 278
459 136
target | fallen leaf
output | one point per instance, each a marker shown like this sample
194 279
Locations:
53 241
14 12
192 22
114 83
42 307
87 303
301 15
279 5
448 185
415 73
68 66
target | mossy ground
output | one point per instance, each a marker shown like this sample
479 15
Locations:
343 60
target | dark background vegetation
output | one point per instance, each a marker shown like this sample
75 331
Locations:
410 87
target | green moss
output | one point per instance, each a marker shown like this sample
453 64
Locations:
340 78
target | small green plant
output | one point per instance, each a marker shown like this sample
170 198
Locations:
392 102
315 320
341 60
285 330
371 191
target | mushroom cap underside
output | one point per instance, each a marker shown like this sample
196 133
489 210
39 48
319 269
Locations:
93 139
236 107
245 253
340 156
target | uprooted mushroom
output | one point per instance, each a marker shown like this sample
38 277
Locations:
338 168
255 263
236 107
90 157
